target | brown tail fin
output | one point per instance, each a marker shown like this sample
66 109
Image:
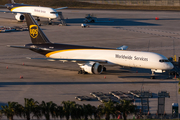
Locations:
35 32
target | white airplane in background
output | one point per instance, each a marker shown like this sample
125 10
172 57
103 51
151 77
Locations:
37 11
91 59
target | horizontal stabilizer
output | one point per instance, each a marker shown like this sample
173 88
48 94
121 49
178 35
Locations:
70 60
18 47
61 8
3 6
23 47
124 47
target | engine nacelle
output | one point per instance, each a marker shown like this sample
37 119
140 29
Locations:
19 17
93 68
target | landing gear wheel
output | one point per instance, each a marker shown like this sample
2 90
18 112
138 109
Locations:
80 72
50 21
38 19
92 21
152 77
85 72
104 69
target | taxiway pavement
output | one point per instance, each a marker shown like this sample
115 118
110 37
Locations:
57 81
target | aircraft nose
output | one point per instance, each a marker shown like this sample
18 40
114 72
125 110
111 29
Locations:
171 66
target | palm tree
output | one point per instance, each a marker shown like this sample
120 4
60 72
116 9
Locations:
79 112
37 112
95 112
108 109
126 107
90 109
48 109
9 110
67 108
19 110
76 112
87 111
59 112
30 106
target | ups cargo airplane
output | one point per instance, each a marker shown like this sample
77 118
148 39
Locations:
91 59
37 11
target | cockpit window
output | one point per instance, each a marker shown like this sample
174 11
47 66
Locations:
163 60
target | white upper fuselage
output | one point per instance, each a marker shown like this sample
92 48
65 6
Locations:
38 11
137 59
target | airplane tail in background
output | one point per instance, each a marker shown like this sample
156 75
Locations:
35 32
11 1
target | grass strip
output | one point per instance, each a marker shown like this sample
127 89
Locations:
83 5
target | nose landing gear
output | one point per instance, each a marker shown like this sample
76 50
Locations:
50 21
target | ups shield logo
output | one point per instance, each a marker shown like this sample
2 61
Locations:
33 30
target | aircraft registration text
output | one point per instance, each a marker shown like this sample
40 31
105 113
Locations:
41 11
129 57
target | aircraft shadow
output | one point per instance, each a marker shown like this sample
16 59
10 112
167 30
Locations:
154 19
137 100
113 72
146 77
81 83
154 95
165 77
136 73
117 22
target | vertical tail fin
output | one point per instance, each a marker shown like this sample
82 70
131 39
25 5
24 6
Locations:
11 1
35 32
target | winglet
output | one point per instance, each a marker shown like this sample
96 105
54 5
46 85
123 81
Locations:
28 58
61 8
11 1
124 47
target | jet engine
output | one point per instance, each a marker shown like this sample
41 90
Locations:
92 68
19 17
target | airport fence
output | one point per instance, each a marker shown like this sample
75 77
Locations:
137 2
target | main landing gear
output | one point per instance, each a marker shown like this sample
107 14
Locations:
104 69
38 19
152 75
82 72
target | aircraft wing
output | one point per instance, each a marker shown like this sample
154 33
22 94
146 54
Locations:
5 11
11 12
61 8
70 60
